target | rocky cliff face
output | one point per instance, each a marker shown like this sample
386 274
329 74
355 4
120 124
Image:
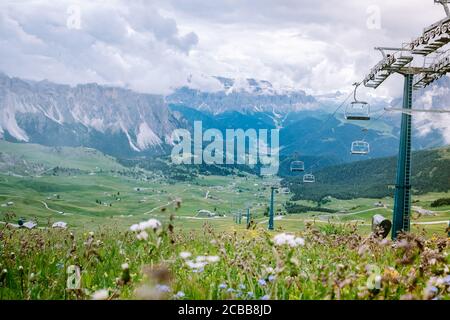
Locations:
107 118
123 123
244 95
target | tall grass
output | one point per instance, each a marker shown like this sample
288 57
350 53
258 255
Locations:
334 263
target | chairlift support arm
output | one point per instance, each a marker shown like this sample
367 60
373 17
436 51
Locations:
410 111
444 3
356 84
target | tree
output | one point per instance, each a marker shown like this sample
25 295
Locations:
323 201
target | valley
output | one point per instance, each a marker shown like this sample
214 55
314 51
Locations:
103 193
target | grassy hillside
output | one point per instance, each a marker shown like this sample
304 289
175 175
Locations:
66 157
319 263
376 178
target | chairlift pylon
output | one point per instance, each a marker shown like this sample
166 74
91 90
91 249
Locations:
357 110
360 147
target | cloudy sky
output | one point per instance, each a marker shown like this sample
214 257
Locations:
156 45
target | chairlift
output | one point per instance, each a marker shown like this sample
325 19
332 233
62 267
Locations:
357 110
309 178
297 166
360 147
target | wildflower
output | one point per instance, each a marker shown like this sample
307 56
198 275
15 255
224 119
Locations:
447 280
250 294
271 278
199 270
102 294
134 227
241 286
197 265
149 224
266 297
222 286
163 288
262 282
430 292
142 235
288 239
185 255
378 281
230 290
179 295
212 259
125 277
200 259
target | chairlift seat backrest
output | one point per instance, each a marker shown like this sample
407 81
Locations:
297 166
309 178
360 147
358 110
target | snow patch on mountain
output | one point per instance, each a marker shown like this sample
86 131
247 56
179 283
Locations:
8 122
130 141
146 137
83 114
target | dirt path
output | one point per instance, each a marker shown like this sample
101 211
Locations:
348 214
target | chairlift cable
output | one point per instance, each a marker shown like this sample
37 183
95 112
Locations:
372 123
332 116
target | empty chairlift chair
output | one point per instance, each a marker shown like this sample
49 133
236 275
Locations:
360 147
357 110
309 178
297 166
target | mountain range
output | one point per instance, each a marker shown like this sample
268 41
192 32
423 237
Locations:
127 124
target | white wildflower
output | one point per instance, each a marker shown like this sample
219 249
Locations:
153 224
200 259
162 288
288 239
212 259
269 270
102 294
196 265
125 266
185 255
142 235
134 227
149 224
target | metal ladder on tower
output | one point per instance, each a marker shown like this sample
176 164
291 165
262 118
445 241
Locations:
402 203
407 195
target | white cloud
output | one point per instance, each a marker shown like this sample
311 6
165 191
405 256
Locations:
154 46
434 98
